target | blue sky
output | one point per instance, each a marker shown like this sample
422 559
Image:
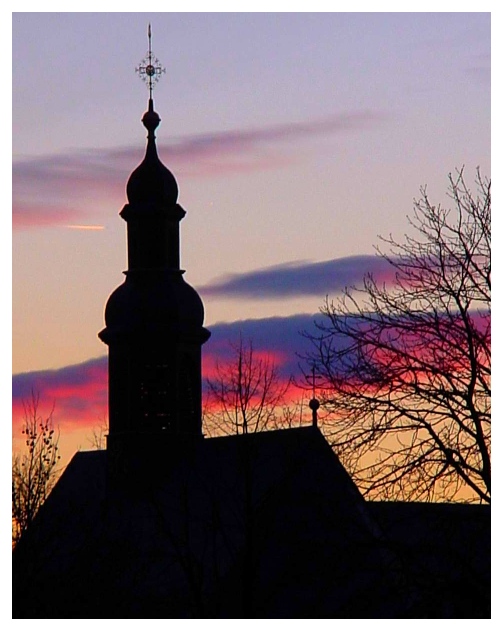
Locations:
296 139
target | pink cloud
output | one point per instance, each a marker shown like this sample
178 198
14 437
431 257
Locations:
47 182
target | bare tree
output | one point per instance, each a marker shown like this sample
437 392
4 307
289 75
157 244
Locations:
247 394
405 366
35 471
99 433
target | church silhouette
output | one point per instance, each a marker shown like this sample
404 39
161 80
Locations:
166 523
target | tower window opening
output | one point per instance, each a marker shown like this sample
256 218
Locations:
156 389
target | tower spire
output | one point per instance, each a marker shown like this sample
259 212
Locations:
154 320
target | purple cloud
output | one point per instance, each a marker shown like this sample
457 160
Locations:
104 172
301 278
280 337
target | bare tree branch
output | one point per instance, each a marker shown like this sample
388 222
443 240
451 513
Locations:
247 395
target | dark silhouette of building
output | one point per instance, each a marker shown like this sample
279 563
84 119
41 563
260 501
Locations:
168 524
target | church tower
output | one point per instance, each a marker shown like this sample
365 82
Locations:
154 320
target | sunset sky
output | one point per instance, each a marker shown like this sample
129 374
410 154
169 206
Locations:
295 138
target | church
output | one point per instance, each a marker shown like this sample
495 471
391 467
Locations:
166 523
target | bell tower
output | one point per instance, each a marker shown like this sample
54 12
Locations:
154 320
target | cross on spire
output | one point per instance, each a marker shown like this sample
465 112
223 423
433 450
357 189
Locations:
150 68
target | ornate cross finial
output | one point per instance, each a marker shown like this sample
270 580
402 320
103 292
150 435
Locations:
150 68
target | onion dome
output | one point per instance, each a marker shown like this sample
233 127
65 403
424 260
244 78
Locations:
151 181
161 302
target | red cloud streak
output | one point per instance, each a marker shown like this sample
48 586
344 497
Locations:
79 392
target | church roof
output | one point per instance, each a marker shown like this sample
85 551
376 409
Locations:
265 525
